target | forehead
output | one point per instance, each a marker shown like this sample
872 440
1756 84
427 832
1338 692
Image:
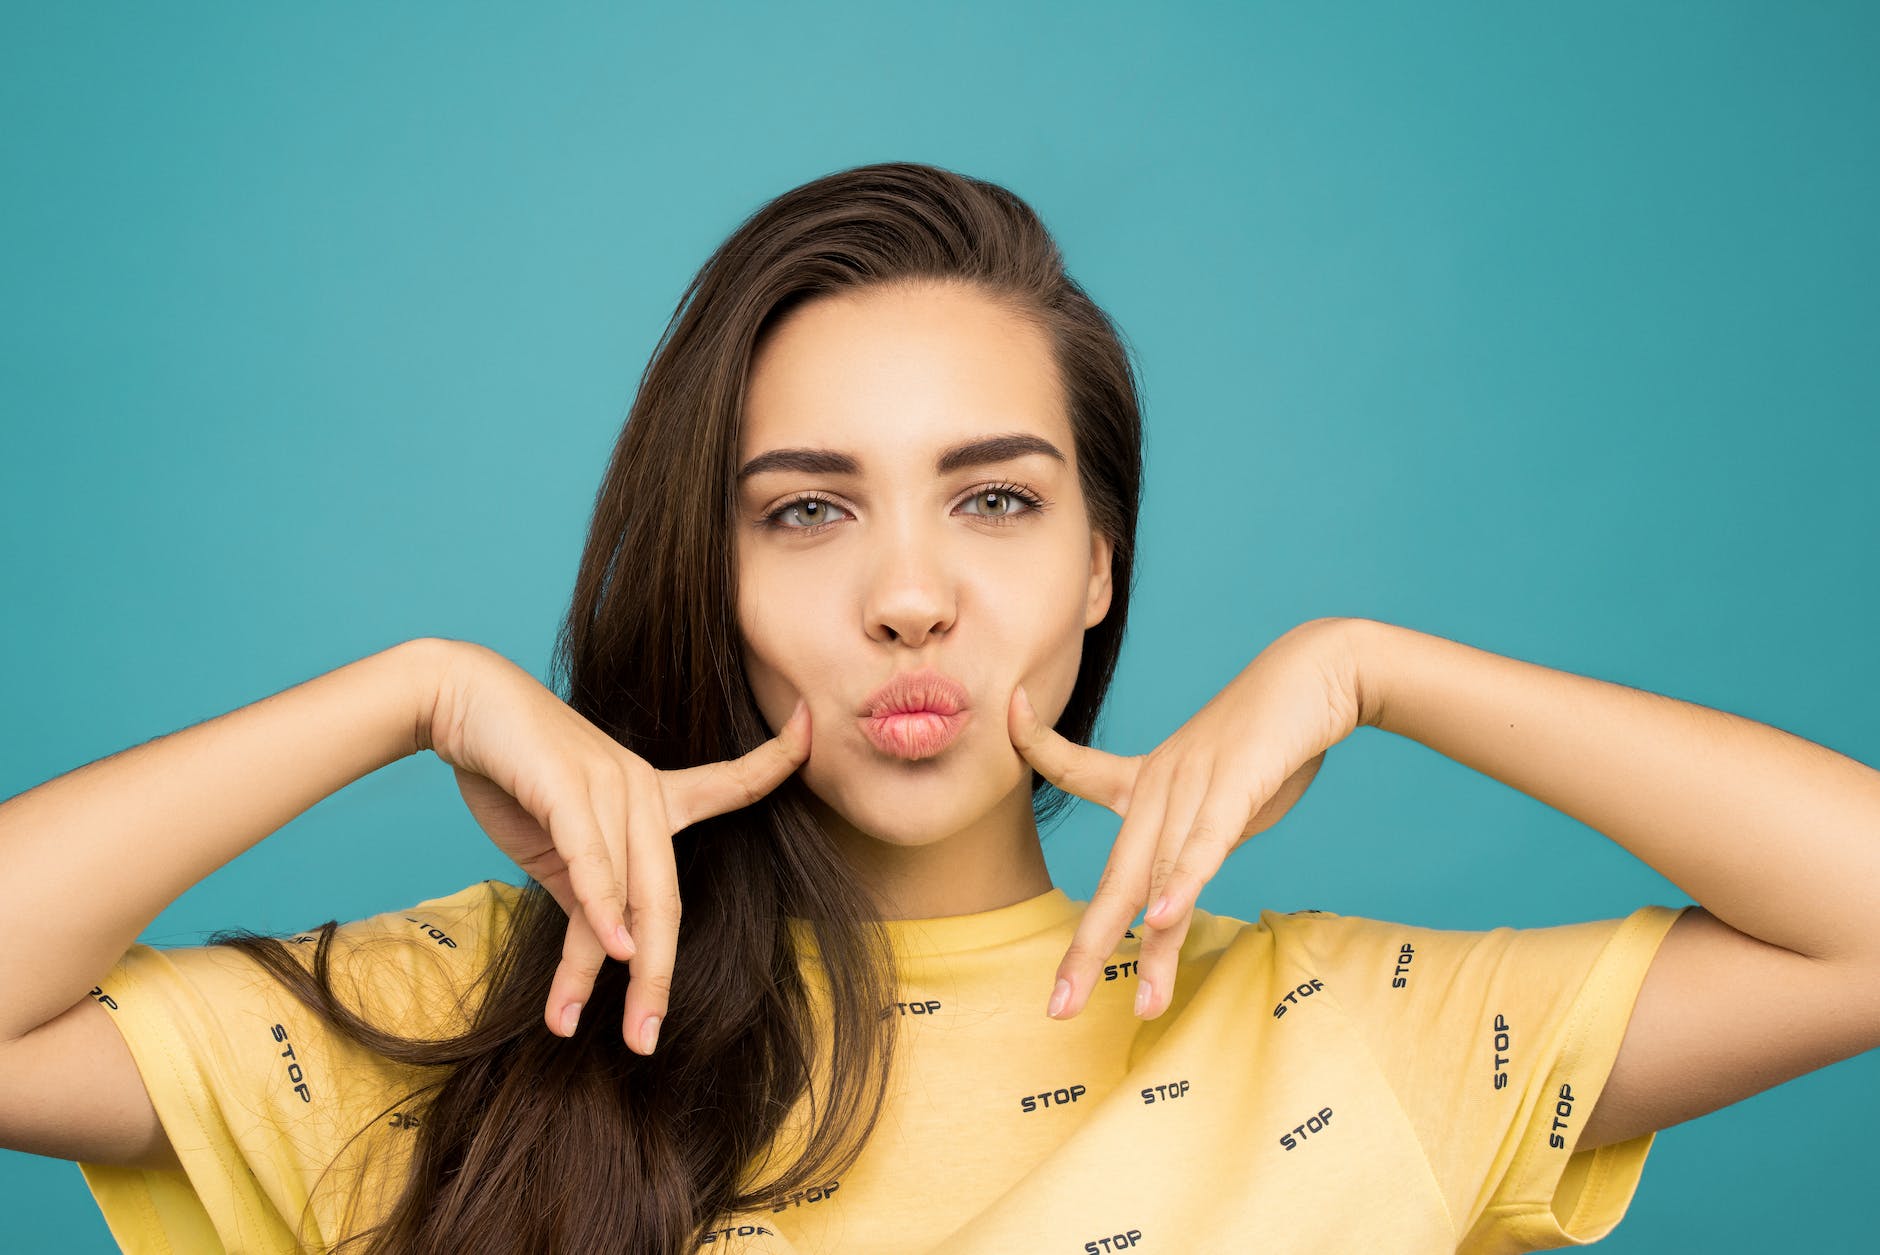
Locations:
892 374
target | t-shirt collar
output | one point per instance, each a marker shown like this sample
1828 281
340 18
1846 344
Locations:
951 934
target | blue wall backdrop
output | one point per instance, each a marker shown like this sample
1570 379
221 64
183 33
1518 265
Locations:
1549 329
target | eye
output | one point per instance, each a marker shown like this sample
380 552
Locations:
1009 494
813 508
998 500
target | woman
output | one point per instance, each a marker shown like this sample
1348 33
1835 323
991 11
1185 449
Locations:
854 591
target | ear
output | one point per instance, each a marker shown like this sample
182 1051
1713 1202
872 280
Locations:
1099 600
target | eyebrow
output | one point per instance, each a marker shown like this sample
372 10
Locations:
982 452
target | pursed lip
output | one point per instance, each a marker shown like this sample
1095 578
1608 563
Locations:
914 691
915 715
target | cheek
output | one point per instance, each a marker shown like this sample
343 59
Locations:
764 652
786 649
1058 602
1054 640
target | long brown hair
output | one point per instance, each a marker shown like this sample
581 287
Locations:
580 1144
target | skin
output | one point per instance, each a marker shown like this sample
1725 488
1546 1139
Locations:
910 569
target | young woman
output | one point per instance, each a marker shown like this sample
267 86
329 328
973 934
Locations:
854 591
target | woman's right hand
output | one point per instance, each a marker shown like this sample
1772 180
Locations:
590 820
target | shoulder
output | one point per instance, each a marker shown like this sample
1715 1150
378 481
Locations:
1238 948
1329 941
416 963
1212 931
480 911
472 918
1405 970
1332 929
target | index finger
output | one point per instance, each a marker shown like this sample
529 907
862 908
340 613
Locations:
695 793
1092 774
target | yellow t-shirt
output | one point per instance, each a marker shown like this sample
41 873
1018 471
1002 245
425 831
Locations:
1319 1083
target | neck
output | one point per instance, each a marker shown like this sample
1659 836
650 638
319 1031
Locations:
995 862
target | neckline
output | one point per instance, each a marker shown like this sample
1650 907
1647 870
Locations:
948 934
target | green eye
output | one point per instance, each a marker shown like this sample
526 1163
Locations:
813 508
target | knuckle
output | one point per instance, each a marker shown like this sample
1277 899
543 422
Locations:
747 770
640 775
1078 771
657 984
1201 840
611 818
660 917
564 783
1189 770
1262 789
1132 781
1177 887
672 803
1109 885
663 905
1076 956
581 966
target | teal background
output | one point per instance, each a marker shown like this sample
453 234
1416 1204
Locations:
1547 328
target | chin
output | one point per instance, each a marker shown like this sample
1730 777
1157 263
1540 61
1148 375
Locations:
914 802
903 836
893 822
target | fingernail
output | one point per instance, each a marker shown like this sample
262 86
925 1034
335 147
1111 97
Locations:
650 1033
1156 910
569 1017
1142 997
1059 996
621 939
1024 702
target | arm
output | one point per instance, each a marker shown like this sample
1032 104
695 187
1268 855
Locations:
102 849
1778 971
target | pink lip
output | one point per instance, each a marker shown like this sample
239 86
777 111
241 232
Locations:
913 734
916 714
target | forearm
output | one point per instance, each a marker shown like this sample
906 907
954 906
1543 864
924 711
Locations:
89 858
1775 835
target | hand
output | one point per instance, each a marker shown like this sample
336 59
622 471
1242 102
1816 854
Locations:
1231 771
590 820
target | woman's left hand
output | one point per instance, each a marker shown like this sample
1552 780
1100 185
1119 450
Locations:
1231 771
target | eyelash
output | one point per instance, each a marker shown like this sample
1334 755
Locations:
1019 492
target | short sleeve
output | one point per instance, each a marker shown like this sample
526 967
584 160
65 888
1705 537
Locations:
257 1094
1497 1045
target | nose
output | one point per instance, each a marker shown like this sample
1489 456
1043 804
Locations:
911 593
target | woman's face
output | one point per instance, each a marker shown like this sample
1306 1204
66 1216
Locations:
896 563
